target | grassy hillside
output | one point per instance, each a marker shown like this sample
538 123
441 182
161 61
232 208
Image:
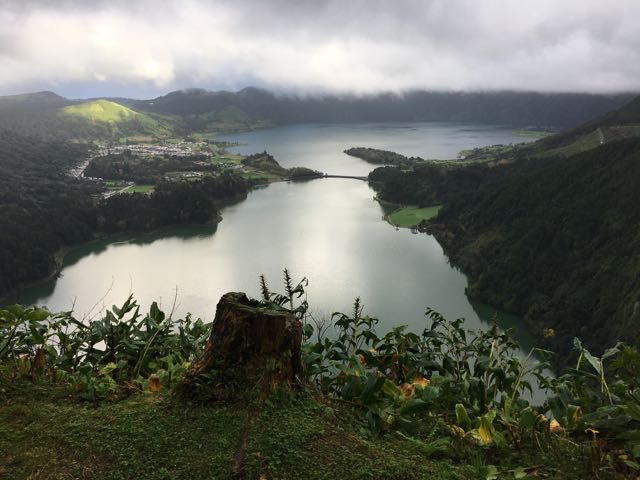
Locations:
104 117
48 116
615 125
444 404
151 437
101 111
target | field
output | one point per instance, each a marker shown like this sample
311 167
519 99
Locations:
409 217
140 189
532 133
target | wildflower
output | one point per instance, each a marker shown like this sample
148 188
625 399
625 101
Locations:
420 382
593 432
154 383
407 390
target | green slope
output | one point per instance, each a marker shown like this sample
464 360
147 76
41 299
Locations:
101 111
107 118
616 125
556 241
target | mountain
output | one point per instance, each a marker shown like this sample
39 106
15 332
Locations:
37 98
549 235
49 116
514 108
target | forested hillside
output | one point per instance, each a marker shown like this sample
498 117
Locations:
557 243
249 105
41 208
546 230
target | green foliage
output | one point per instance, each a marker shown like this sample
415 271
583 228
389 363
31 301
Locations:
96 358
547 239
294 292
398 378
381 157
143 168
170 203
41 208
600 399
445 391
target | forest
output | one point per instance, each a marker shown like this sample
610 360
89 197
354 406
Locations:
143 168
543 230
43 209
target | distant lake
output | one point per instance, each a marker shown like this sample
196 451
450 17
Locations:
321 146
329 230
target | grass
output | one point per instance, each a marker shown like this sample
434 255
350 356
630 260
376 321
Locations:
140 189
411 216
254 175
43 435
581 144
46 435
101 111
117 185
111 113
227 158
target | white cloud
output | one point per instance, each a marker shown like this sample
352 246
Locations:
315 46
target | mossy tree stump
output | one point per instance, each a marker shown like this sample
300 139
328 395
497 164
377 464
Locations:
250 344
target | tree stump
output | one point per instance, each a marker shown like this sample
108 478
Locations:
249 344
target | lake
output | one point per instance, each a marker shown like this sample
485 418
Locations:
330 230
321 146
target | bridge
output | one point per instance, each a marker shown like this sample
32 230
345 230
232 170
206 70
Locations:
354 177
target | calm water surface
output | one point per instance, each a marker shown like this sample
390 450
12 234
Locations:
321 146
329 230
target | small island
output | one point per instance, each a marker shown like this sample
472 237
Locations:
381 157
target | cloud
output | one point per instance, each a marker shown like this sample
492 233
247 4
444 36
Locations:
320 46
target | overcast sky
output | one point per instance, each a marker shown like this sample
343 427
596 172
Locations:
143 48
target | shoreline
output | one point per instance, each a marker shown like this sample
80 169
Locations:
60 254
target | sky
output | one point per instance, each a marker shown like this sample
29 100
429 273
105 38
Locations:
145 48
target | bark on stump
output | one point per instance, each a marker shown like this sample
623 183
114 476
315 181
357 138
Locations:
251 343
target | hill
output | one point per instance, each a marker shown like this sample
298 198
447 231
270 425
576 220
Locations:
617 124
41 208
100 111
544 230
49 116
107 118
513 108
552 241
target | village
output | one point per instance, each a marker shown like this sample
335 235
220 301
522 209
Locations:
178 149
190 161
